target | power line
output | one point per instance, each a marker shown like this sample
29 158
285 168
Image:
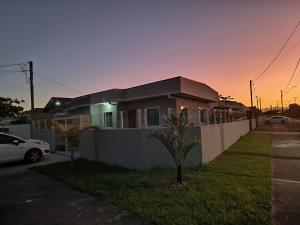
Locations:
292 75
37 74
13 71
291 49
297 79
15 64
58 83
277 55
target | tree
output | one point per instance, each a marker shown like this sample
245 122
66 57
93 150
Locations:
72 136
175 141
10 108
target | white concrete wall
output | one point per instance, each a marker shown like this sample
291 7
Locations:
21 130
97 114
216 138
132 148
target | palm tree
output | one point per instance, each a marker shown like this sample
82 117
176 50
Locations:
174 139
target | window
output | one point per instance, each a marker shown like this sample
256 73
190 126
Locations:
185 112
6 139
153 117
108 120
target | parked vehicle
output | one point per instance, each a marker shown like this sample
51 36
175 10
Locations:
13 148
276 119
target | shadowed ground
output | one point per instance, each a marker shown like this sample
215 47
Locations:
32 198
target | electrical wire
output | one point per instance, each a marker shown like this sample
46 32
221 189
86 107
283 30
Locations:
279 52
290 50
10 71
57 82
15 64
292 75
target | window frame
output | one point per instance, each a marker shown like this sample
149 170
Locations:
105 119
153 107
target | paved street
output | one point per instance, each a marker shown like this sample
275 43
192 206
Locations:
286 178
30 198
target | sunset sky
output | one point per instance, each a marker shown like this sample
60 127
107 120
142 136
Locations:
92 46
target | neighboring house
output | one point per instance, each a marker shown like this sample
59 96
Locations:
229 105
56 105
145 105
37 111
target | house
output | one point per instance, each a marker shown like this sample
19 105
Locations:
145 105
229 105
56 105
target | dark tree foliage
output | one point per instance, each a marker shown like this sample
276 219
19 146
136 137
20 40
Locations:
10 108
293 111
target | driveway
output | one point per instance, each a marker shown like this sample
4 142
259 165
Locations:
286 178
30 198
19 167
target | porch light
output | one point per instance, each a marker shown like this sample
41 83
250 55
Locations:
57 103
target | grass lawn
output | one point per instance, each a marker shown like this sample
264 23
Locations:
294 127
233 189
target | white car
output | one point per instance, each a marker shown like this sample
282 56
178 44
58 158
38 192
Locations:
13 148
277 119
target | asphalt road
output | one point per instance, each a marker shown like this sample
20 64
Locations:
286 178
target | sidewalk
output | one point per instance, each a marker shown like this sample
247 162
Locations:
286 178
20 167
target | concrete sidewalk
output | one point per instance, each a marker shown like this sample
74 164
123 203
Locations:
33 199
286 178
20 167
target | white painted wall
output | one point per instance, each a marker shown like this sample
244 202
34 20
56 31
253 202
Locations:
97 114
216 138
133 148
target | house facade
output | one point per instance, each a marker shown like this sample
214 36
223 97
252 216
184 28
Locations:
144 106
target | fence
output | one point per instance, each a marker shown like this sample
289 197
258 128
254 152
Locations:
58 142
135 149
45 129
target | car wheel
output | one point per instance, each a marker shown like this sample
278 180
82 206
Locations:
33 156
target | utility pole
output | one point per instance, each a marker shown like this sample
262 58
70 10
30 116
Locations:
295 98
260 103
257 102
251 93
31 97
281 97
251 105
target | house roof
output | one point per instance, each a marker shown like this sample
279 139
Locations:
232 104
176 86
53 100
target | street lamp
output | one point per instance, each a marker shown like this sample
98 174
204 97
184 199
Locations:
58 104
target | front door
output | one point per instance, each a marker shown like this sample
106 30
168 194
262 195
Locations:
132 118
